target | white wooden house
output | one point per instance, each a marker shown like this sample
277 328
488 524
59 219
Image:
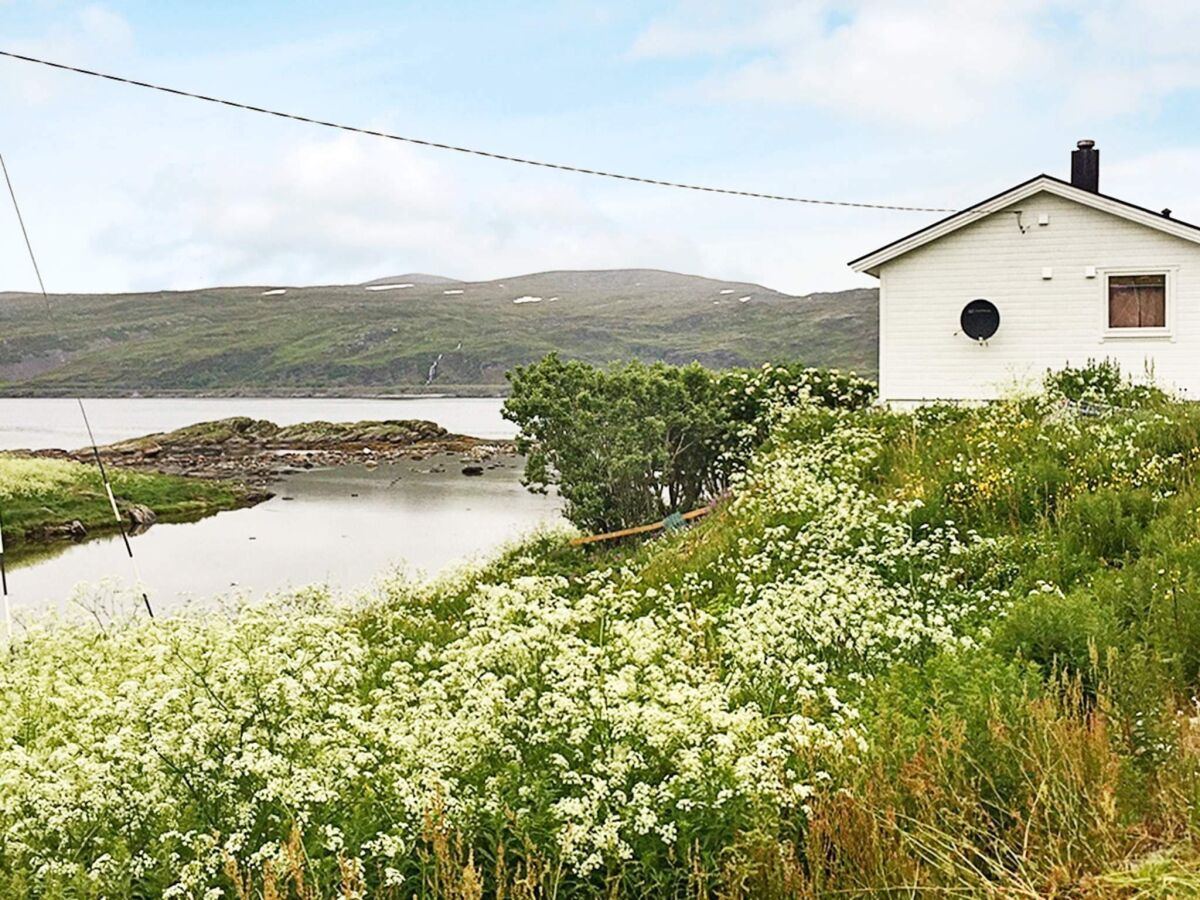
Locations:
1045 274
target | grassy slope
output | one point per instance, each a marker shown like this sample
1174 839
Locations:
345 339
951 652
36 494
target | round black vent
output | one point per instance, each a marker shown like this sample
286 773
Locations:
980 319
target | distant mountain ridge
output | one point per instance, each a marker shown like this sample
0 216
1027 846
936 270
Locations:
383 336
413 278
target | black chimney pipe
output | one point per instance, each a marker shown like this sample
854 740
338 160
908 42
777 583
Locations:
1085 166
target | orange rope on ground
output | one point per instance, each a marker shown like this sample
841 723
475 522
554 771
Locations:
640 529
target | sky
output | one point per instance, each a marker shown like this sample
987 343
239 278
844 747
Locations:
909 102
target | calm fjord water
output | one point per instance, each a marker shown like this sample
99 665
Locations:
343 527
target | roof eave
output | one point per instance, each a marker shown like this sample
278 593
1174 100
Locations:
871 262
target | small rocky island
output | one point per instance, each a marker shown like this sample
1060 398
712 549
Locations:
258 452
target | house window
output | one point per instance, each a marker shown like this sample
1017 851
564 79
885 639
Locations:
1137 301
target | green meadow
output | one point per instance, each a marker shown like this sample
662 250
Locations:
37 495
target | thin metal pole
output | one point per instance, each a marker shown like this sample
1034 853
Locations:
4 585
112 500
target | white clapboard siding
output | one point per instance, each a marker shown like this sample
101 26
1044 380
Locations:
1045 322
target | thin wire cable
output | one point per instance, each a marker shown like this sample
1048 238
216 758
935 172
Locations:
112 500
3 569
437 145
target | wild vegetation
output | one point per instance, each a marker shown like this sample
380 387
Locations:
949 652
356 339
37 496
631 443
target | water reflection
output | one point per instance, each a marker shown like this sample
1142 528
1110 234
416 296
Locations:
341 527
39 423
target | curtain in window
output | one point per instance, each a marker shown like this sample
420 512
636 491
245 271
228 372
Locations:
1137 301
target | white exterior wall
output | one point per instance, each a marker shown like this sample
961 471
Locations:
1044 323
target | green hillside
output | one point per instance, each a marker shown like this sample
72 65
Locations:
384 336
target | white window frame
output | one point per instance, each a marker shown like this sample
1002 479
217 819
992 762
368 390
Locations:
1166 332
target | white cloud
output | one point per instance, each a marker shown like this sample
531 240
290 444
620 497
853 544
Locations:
1131 55
1161 178
931 64
105 27
89 36
351 209
715 29
939 63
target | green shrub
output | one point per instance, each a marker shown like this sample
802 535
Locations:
629 444
1157 603
1106 524
1065 633
971 687
1102 383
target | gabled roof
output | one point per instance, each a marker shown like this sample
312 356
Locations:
871 262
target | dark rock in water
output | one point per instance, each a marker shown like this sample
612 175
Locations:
140 518
74 530
472 470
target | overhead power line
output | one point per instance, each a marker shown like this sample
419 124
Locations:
437 145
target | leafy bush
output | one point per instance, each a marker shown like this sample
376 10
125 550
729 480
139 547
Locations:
1106 524
1060 632
629 444
754 399
1102 383
624 445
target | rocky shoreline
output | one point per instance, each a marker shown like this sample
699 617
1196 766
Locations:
258 452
